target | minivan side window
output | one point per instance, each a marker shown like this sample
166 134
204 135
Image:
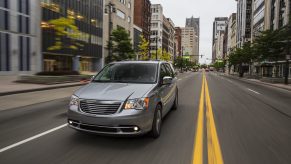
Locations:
170 70
164 72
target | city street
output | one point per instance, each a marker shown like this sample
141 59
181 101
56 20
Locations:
240 123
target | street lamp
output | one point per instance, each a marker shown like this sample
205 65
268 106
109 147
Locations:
110 8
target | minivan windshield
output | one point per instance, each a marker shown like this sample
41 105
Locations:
128 73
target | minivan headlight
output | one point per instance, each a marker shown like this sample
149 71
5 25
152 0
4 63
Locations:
138 104
74 103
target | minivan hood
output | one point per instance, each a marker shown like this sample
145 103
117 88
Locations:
113 91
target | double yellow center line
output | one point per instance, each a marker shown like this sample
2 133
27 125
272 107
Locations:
213 146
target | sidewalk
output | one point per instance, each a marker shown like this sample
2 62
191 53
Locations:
8 86
277 85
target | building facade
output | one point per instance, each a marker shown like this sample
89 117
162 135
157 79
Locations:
118 13
88 17
244 21
195 22
188 44
142 22
142 16
219 26
258 17
178 41
20 37
168 36
156 38
231 36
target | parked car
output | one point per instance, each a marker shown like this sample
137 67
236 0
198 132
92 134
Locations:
125 98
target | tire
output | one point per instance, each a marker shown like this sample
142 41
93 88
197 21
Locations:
157 122
176 101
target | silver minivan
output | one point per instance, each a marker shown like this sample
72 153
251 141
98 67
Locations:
125 98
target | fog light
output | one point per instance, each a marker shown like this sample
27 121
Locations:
135 128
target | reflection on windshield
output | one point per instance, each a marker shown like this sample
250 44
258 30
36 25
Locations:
128 73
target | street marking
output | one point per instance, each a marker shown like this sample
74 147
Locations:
213 146
254 91
198 147
32 138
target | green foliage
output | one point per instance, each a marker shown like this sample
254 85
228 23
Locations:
143 48
66 34
120 44
166 56
160 53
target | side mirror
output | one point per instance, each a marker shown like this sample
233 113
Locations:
167 80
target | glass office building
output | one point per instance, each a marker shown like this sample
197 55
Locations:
88 16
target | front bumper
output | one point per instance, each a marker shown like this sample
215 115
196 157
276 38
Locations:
127 122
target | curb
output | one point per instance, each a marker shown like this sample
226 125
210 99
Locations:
39 89
262 83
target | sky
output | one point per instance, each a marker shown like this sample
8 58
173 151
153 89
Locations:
207 10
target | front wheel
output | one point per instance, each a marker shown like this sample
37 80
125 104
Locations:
157 123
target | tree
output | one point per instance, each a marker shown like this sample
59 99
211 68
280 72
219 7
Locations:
166 56
160 53
66 33
267 45
120 44
143 48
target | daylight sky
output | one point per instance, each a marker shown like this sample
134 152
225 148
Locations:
207 10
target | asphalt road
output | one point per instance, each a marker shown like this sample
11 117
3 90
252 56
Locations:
253 126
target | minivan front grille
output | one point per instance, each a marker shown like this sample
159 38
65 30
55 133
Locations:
99 107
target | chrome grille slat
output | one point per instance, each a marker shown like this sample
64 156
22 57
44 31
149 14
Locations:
99 108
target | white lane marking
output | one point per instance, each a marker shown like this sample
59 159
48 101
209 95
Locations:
32 138
179 79
253 91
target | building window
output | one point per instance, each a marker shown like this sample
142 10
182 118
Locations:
120 14
23 24
122 1
4 21
129 5
24 53
4 3
23 6
129 19
4 52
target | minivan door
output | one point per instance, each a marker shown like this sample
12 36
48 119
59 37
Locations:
165 89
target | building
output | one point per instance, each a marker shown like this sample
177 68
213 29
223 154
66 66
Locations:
195 22
20 37
219 45
178 41
258 18
168 36
142 21
277 13
244 21
88 16
157 20
219 26
231 36
118 13
188 43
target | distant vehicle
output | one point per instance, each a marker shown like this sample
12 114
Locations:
206 70
125 98
211 69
